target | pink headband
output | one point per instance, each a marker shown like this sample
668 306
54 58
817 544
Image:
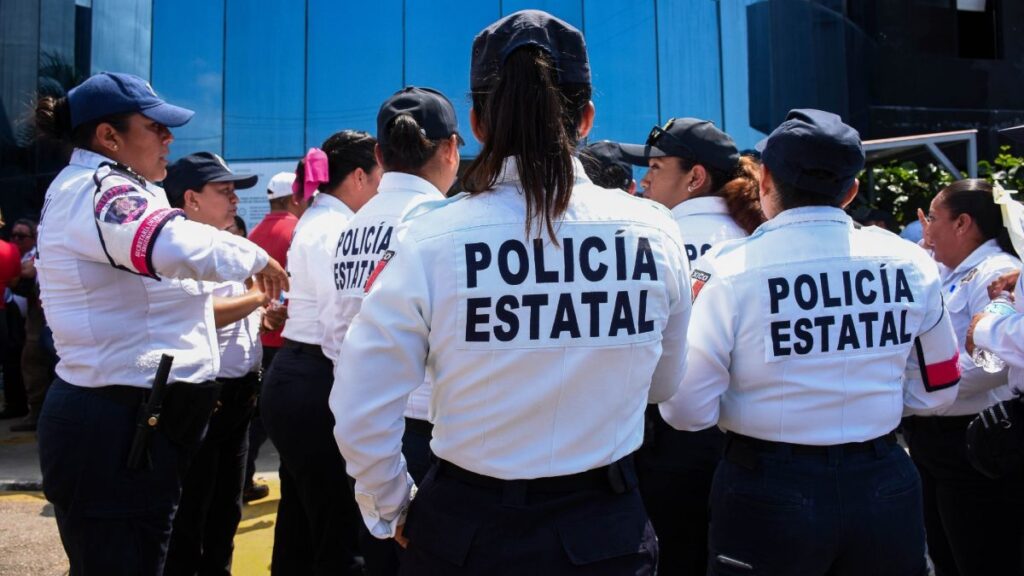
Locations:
316 172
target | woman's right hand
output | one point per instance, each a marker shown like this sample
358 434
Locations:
1005 283
272 279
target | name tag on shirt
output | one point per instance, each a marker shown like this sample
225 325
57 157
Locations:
852 309
598 287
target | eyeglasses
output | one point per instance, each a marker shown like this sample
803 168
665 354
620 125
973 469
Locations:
20 236
659 132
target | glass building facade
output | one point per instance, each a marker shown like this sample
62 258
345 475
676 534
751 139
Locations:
270 78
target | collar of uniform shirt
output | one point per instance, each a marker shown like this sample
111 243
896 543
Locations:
702 205
329 202
510 173
402 182
87 158
807 214
980 254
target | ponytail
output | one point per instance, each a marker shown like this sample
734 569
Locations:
406 149
742 194
974 197
525 114
52 120
345 151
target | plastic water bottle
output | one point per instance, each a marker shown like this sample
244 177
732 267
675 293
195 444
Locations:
1001 305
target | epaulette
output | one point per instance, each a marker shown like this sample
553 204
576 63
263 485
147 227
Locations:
431 205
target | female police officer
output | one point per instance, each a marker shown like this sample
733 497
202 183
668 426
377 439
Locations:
808 341
116 267
418 147
548 310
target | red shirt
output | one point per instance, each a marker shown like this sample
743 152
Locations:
274 234
10 267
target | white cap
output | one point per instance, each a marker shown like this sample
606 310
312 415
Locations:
280 185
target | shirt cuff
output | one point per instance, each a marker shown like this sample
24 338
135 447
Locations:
983 336
379 525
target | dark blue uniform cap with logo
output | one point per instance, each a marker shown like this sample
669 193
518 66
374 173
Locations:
429 108
559 39
814 151
109 93
603 155
697 140
197 170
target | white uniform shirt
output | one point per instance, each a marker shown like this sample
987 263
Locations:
312 282
812 331
240 348
544 358
965 290
704 222
369 234
109 264
1004 337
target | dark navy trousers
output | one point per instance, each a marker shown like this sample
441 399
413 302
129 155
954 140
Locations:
112 521
974 523
317 518
784 510
675 470
202 539
456 527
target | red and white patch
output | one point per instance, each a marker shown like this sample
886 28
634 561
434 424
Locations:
700 278
384 259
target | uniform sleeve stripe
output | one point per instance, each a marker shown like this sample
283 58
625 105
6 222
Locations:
940 375
145 238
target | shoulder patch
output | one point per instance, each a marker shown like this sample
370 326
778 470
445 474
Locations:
969 276
121 204
700 278
381 264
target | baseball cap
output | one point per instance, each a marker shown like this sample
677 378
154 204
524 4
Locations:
109 93
814 151
600 156
559 39
280 185
431 109
196 170
691 138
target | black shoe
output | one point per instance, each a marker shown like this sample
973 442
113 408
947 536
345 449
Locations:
257 491
9 412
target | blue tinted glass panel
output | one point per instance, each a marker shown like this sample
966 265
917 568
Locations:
439 37
688 71
121 36
735 80
351 73
621 42
188 69
264 77
569 10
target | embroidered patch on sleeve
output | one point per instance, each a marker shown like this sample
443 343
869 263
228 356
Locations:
700 278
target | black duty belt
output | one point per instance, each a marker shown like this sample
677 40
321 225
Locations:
307 348
421 427
740 448
617 476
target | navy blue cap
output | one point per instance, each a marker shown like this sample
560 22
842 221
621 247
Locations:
197 170
699 141
559 39
599 157
429 108
109 93
814 151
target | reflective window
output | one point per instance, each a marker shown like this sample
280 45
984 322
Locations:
621 43
688 64
735 80
264 79
188 69
354 63
121 36
439 38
